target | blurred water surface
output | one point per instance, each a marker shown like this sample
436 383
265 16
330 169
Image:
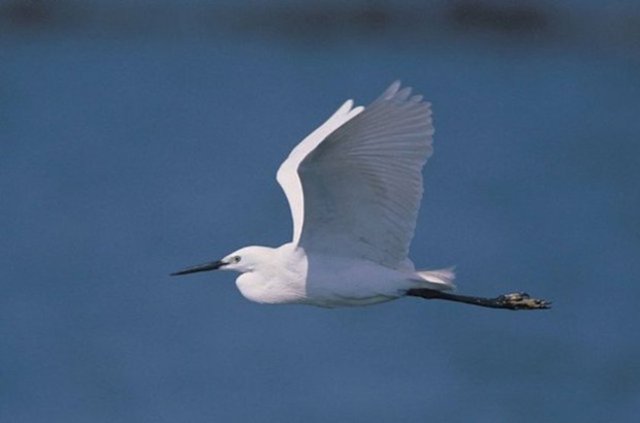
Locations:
137 140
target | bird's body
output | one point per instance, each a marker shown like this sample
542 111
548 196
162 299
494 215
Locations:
291 275
354 187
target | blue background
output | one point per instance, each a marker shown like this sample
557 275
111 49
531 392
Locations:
140 137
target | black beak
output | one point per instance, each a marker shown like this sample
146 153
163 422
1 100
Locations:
205 267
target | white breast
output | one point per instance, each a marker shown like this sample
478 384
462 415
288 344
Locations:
280 280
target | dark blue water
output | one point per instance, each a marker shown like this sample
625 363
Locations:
126 154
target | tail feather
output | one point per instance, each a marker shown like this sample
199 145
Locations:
441 279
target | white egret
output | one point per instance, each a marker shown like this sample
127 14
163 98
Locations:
354 186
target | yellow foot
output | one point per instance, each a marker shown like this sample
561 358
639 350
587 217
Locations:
522 301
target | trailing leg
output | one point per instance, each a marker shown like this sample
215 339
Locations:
514 301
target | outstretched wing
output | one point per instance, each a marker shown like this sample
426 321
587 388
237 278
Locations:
287 175
355 184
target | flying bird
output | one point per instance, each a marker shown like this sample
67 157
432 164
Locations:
354 187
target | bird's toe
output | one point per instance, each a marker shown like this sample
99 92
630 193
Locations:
523 301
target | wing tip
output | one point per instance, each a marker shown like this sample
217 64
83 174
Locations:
396 92
391 90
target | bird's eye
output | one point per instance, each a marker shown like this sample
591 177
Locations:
236 259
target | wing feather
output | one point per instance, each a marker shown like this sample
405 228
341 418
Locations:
287 175
355 184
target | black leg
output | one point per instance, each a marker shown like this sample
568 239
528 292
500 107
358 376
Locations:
515 301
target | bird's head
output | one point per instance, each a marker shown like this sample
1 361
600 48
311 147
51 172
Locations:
243 260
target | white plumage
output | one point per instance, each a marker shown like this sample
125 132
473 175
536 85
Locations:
354 187
357 180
